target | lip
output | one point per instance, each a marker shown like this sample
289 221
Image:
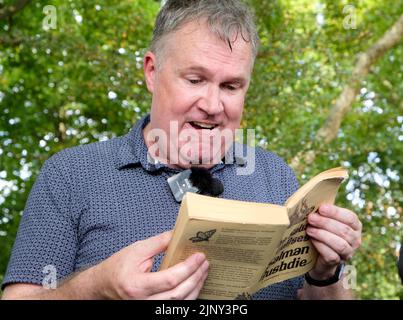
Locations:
206 122
215 130
201 123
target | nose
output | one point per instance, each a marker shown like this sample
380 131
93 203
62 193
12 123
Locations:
211 101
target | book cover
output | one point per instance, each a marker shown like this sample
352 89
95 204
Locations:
250 245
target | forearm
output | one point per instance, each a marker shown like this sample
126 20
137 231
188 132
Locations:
84 285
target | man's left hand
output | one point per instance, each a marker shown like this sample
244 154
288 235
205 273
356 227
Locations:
336 234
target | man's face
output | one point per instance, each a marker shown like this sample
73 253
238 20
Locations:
200 86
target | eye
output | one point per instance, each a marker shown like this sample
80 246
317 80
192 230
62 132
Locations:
230 87
194 81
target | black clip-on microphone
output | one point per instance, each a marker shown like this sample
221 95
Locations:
203 180
195 179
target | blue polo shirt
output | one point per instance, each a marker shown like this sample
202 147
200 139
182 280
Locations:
90 201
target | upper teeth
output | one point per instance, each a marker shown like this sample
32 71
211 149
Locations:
204 125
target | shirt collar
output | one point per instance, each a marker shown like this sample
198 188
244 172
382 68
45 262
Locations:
133 151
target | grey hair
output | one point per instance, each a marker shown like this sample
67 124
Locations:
226 18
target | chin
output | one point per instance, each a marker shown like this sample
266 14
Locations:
208 161
186 162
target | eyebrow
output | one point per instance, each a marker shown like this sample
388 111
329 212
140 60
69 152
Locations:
241 80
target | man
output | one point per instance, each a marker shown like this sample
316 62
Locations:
99 214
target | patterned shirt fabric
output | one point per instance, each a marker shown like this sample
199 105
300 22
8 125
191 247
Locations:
89 202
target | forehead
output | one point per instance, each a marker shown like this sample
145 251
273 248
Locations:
195 45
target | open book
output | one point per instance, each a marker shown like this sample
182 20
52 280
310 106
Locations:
250 245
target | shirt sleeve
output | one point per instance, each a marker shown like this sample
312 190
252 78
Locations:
46 243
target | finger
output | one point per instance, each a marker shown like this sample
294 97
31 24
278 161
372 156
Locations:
336 227
337 244
195 293
170 278
185 288
327 254
341 214
150 247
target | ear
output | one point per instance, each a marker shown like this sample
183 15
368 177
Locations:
150 70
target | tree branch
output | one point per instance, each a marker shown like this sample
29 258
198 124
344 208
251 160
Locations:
346 99
13 9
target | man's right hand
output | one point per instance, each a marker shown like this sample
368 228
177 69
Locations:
126 274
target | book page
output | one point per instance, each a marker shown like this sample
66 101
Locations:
237 253
295 255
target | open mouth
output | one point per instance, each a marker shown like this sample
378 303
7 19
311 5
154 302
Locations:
203 125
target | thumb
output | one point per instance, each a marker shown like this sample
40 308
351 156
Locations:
146 265
150 247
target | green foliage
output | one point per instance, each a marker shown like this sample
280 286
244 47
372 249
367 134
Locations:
83 82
